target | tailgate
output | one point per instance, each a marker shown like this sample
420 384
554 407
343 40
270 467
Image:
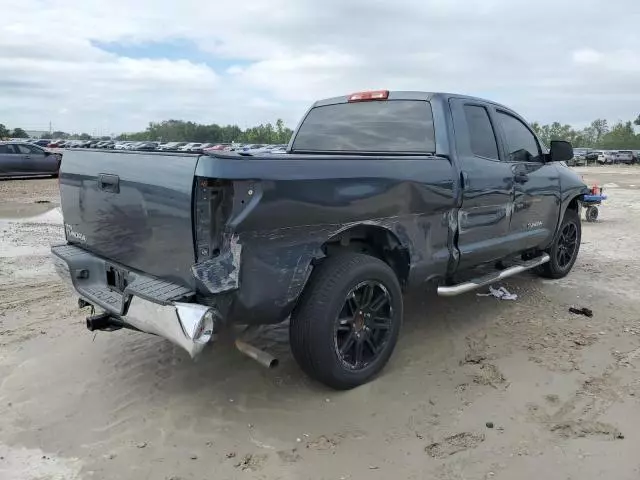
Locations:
133 209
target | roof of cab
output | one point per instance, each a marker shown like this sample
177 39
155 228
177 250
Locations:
410 95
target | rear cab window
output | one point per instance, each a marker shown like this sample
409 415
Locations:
388 126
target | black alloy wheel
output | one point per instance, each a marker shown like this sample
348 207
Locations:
363 325
567 245
347 320
564 249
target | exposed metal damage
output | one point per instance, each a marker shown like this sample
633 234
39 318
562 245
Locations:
222 273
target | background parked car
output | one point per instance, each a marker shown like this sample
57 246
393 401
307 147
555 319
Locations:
201 148
218 146
606 157
172 146
611 157
579 157
592 155
147 146
624 156
27 159
189 146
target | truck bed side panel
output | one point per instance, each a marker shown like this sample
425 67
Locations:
283 220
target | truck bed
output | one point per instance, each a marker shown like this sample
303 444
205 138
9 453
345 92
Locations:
184 219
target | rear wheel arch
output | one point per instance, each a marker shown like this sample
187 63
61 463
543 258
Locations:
374 240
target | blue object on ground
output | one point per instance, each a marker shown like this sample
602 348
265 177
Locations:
594 198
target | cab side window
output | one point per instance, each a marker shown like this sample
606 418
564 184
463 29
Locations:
481 134
522 145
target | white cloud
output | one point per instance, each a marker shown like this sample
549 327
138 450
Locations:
587 56
547 59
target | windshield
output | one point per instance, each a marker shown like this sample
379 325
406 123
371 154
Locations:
399 126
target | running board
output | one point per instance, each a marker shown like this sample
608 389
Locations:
453 290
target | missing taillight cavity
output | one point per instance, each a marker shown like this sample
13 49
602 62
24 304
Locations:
370 95
211 209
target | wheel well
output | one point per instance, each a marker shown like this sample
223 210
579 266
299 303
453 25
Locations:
574 204
375 241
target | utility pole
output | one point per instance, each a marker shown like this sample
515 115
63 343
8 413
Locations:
50 130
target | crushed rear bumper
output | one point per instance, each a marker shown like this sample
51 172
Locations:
146 303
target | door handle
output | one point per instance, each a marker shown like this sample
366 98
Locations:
27 156
521 177
109 183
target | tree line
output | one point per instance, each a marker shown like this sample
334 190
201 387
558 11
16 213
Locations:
598 134
15 133
181 131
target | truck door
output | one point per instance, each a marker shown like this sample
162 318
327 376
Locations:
536 201
487 184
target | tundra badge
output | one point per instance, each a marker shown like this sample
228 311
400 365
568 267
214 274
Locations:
531 225
73 234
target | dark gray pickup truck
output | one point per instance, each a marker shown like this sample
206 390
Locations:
377 193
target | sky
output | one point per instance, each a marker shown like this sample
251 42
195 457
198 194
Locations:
111 66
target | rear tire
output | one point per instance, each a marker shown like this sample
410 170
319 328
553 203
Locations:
565 247
347 321
591 214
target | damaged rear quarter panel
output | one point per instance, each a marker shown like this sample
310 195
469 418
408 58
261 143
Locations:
282 221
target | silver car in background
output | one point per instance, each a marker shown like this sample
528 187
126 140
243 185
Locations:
21 159
624 156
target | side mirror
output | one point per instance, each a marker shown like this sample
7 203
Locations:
47 153
560 151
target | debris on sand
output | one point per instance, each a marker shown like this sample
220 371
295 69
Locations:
552 398
490 375
500 293
141 444
251 462
474 357
580 429
587 312
476 350
323 443
454 444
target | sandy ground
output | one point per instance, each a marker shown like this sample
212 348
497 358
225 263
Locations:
478 388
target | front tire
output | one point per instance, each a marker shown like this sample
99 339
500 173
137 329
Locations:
347 322
565 247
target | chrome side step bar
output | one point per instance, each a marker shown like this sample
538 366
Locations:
453 290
